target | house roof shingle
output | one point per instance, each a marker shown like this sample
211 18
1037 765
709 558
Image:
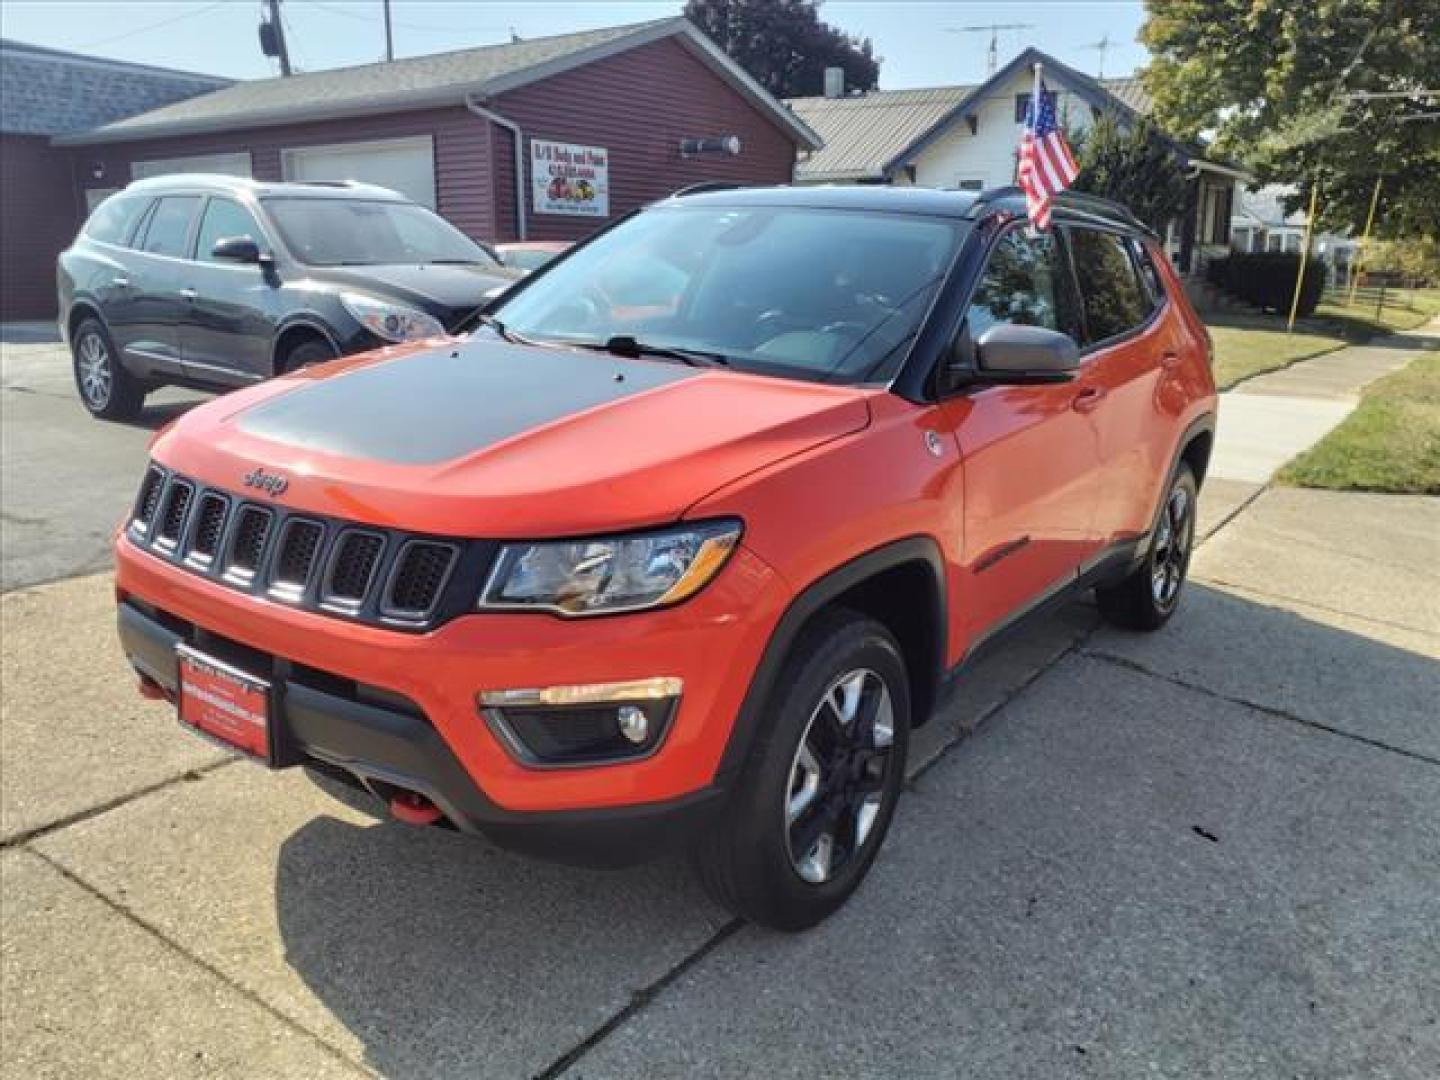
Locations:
864 134
49 92
423 81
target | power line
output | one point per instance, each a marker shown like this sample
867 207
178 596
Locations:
366 17
151 26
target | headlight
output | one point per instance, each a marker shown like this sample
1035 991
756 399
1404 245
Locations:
391 321
610 574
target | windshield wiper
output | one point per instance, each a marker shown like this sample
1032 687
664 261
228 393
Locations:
625 345
486 319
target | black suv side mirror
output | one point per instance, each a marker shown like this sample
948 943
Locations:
1009 354
241 249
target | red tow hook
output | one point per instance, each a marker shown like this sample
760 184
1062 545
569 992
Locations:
151 689
414 809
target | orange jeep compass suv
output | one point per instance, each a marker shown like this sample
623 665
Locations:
688 534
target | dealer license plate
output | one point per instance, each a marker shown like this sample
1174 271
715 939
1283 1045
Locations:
225 703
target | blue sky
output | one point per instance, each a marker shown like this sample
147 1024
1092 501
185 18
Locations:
220 37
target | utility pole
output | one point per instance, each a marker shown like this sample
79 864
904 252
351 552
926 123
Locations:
389 36
1102 47
272 37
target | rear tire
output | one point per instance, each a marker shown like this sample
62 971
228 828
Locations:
1147 598
816 797
106 389
307 353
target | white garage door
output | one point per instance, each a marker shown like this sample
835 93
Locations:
403 165
224 164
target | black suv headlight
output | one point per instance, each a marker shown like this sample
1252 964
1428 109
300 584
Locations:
609 574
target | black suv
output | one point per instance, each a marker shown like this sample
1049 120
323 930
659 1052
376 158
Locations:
217 281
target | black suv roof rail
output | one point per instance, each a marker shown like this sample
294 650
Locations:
1077 203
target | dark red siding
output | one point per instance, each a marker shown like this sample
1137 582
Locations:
638 106
461 139
38 219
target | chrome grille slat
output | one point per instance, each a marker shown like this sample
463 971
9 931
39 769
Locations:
334 567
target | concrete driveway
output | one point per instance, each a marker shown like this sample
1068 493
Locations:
1214 851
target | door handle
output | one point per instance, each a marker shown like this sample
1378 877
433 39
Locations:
188 294
120 282
1088 400
1170 359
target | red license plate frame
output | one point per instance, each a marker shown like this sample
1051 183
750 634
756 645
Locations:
225 704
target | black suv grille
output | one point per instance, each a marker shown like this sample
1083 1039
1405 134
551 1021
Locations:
376 575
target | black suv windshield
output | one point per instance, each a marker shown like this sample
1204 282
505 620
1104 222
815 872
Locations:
831 295
357 232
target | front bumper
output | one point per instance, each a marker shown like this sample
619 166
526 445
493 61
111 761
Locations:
399 710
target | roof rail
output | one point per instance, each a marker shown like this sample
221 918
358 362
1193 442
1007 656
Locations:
1092 206
704 186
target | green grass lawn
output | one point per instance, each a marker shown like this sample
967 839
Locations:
1248 345
1390 443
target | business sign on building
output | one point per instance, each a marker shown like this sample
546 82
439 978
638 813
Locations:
570 179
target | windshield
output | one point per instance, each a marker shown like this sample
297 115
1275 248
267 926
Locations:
832 295
354 232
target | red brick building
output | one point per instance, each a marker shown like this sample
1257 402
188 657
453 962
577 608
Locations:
600 122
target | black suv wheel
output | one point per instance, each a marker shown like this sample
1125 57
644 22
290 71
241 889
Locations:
815 799
106 389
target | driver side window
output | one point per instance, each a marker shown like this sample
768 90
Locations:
1025 283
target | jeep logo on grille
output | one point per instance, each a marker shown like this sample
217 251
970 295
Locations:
273 483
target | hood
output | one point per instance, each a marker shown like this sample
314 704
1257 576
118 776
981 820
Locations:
488 439
442 289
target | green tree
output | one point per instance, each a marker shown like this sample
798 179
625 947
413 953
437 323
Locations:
784 45
1269 79
1134 166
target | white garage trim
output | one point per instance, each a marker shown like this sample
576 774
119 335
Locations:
233 164
405 165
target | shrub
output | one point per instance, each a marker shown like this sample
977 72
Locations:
1267 279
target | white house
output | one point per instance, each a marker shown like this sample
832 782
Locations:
1260 223
966 137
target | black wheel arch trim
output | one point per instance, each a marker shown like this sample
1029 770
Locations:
914 549
300 321
1203 425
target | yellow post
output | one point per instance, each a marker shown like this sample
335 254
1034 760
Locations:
1304 253
1364 241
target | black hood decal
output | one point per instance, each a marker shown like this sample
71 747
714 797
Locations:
444 403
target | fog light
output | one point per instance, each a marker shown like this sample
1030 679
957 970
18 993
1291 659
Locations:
634 724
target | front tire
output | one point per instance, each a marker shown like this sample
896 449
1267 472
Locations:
306 354
107 390
1147 598
817 795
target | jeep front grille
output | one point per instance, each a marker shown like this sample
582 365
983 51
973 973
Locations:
321 564
209 528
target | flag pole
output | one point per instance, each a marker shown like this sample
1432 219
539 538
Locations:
1304 253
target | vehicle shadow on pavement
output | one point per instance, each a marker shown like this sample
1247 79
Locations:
1154 852
446 956
156 415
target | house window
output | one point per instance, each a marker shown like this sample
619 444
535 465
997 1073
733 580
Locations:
1022 105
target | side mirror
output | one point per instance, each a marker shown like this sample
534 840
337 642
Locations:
1008 353
241 249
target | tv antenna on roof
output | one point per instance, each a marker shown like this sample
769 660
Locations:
993 29
1102 46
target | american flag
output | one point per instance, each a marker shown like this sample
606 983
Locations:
1046 165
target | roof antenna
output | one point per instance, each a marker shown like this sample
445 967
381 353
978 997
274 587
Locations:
515 38
1102 46
993 57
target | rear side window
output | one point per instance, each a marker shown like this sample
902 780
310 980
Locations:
1110 290
113 220
1149 272
1025 282
169 227
224 220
